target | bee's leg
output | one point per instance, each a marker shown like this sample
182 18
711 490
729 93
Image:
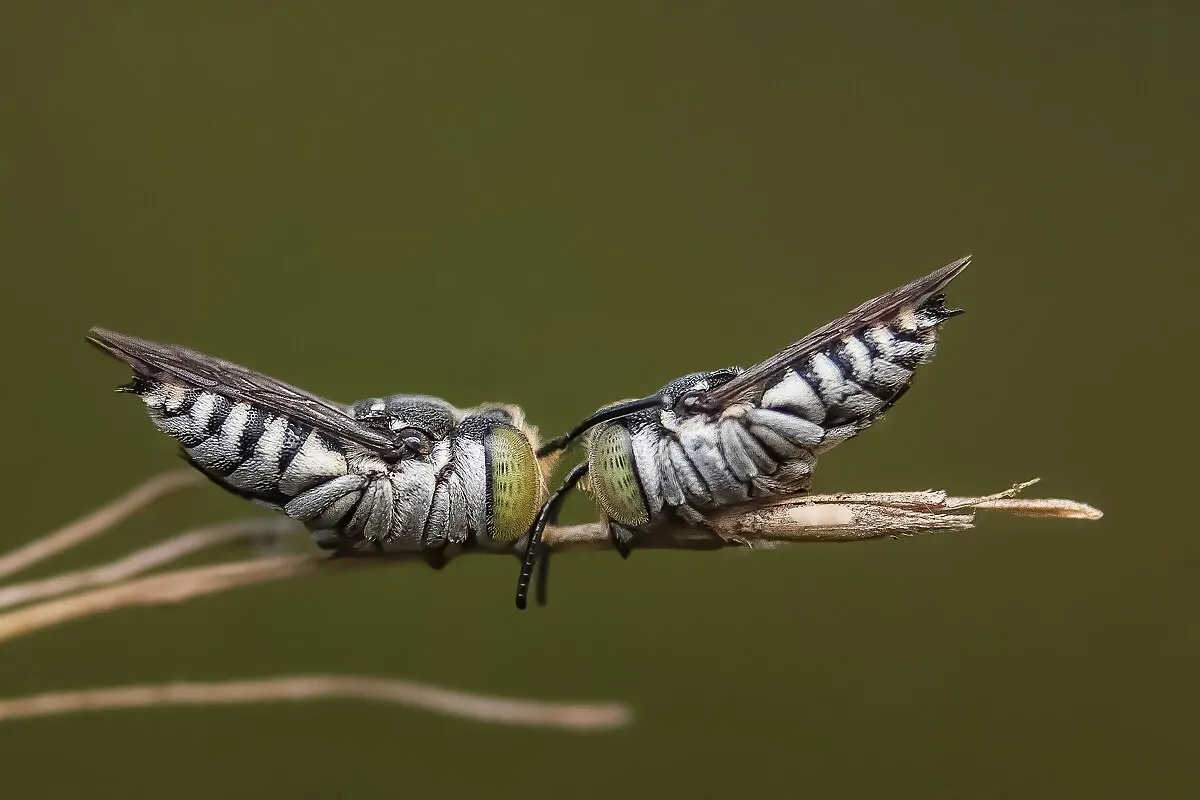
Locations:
435 538
341 546
327 539
434 553
622 538
694 517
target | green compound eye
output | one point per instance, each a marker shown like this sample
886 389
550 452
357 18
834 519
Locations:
611 471
514 483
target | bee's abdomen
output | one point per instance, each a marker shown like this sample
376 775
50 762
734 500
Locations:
246 449
854 380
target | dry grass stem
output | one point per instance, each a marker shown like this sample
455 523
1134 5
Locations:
827 517
168 587
478 707
837 517
97 521
144 560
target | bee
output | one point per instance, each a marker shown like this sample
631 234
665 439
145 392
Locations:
404 471
710 440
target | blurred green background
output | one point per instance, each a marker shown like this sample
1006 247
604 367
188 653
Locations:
565 204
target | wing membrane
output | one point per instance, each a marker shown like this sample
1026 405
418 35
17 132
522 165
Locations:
754 380
173 362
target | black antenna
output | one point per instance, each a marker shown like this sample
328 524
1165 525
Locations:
546 515
603 415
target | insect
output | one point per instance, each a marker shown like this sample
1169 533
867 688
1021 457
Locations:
709 440
405 470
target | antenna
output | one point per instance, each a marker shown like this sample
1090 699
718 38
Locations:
546 515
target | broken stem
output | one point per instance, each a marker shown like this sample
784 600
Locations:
835 517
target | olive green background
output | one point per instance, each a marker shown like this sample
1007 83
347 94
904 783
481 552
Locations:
563 205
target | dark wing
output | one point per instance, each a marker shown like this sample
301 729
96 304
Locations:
754 381
167 362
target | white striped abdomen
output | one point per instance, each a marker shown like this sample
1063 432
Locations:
266 457
856 379
336 489
768 447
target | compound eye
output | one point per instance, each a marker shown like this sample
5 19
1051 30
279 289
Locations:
613 473
414 440
514 483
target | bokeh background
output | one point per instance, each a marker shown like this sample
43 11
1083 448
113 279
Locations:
563 204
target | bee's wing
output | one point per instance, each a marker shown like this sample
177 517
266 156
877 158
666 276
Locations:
168 362
755 380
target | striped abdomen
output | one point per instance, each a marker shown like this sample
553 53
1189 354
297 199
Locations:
261 456
853 381
647 463
483 481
